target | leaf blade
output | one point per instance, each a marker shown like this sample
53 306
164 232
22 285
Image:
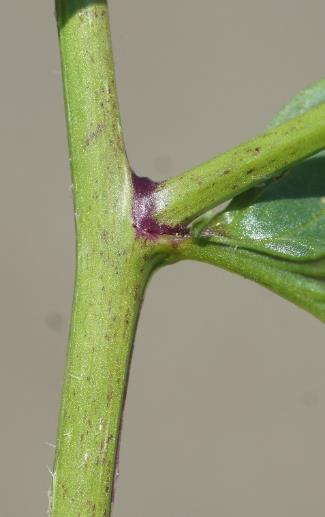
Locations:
308 98
280 221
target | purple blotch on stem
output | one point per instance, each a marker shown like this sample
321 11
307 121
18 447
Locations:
144 209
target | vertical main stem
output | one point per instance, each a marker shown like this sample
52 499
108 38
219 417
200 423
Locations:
111 268
103 325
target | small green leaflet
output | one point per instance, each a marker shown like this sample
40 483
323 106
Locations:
283 218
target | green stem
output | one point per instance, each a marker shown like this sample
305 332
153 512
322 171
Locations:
112 268
108 296
298 282
183 198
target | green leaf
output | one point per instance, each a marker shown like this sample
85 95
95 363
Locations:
308 98
283 219
286 218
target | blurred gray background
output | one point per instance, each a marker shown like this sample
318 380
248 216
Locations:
226 407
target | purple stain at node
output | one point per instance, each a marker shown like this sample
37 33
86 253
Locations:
143 210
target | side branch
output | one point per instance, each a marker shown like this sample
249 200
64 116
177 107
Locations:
299 282
183 198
